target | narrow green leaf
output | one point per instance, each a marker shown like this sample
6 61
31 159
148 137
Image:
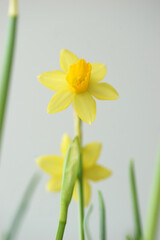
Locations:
23 206
70 174
154 205
102 217
135 204
7 62
86 222
128 238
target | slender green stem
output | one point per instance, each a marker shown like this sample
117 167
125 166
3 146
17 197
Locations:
6 69
60 231
81 208
135 201
78 128
80 178
154 207
17 220
102 216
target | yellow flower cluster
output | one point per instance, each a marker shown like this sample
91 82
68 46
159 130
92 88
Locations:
53 165
78 82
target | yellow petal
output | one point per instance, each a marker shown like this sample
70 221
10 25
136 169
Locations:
53 80
90 154
97 172
60 101
51 164
67 58
65 143
85 107
103 91
86 192
54 184
98 71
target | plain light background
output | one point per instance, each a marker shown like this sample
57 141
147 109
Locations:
125 35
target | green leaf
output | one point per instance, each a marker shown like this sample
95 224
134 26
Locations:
129 237
138 233
7 66
154 205
23 206
102 216
86 222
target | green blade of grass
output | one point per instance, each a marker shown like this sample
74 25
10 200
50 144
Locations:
128 238
135 204
102 216
26 199
86 222
154 206
7 61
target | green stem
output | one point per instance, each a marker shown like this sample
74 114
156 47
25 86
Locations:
60 231
80 178
135 201
102 217
80 195
154 207
6 69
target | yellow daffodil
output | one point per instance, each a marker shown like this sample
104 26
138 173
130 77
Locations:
53 165
77 82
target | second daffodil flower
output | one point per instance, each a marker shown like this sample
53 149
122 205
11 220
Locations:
77 82
53 165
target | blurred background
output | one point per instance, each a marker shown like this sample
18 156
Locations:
125 35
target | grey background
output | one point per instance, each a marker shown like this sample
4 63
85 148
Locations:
125 35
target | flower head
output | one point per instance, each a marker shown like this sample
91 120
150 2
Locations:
77 82
53 165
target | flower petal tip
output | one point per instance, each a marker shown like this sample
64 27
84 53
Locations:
49 110
64 51
48 188
90 123
117 95
110 173
39 161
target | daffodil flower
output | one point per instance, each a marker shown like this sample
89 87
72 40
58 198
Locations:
53 165
77 82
